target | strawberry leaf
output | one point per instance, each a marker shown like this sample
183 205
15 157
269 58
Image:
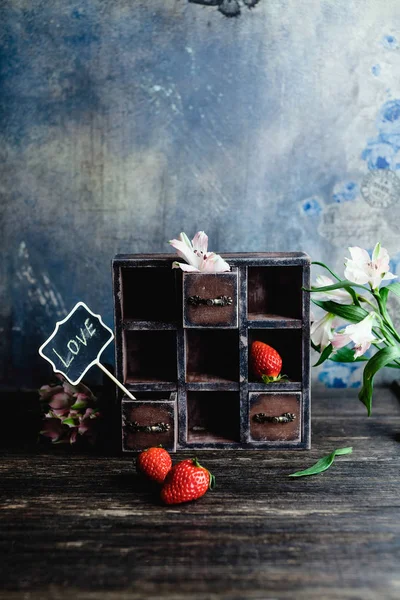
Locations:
272 378
323 463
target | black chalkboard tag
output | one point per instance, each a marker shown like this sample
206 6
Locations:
77 343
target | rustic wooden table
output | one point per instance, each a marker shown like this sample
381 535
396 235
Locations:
86 527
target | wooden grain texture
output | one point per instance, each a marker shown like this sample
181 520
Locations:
86 527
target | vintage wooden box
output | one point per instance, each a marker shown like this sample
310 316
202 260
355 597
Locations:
182 349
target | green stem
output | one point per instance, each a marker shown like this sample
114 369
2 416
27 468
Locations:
320 264
363 299
387 321
396 361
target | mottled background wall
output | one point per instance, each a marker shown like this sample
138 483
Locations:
124 122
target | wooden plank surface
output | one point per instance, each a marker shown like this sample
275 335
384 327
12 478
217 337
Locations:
75 526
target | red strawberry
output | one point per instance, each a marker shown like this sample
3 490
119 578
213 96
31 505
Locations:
155 463
186 481
266 362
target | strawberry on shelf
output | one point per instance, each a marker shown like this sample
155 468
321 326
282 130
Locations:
266 362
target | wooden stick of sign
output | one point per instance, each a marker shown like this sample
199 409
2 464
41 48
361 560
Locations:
115 380
76 345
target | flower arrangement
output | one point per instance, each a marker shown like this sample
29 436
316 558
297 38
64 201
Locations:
356 316
197 257
69 412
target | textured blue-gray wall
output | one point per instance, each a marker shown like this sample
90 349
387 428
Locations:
125 122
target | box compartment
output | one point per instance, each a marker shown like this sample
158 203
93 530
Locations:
288 342
150 356
212 355
213 417
149 294
274 293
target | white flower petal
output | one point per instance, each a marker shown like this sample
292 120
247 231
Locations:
356 273
214 263
359 255
389 276
321 331
323 281
200 242
188 268
184 238
339 296
185 252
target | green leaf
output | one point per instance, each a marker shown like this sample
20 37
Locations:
70 422
324 356
351 313
392 287
80 404
341 451
379 360
345 355
315 347
323 464
336 286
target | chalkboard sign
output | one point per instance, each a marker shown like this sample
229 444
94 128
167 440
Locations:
77 343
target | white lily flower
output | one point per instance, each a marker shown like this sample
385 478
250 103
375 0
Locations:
322 331
340 296
362 269
195 254
358 333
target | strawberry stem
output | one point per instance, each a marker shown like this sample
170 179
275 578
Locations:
212 484
272 378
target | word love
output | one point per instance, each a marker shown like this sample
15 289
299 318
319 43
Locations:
76 343
73 346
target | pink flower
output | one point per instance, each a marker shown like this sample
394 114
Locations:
47 391
61 400
362 269
71 413
53 429
195 254
358 333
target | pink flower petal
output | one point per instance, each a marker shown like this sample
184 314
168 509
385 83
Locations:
200 242
48 391
52 428
340 339
61 400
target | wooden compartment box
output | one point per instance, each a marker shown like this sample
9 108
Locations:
185 357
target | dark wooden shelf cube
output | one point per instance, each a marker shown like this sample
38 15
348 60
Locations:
182 348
